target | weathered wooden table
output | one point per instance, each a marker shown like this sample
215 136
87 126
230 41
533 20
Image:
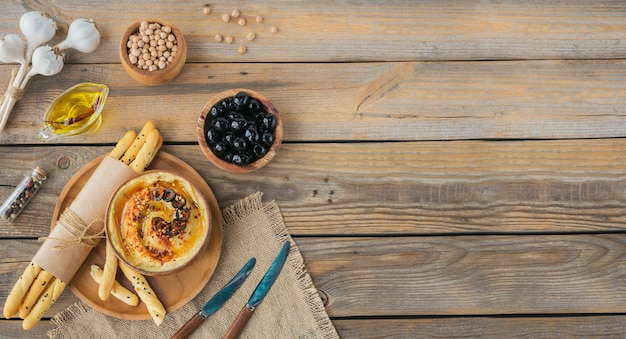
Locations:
449 168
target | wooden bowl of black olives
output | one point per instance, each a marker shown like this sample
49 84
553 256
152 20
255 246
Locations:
239 130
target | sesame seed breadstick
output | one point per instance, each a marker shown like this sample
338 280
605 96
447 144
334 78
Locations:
147 152
50 295
123 144
12 304
40 283
118 291
108 274
146 293
132 151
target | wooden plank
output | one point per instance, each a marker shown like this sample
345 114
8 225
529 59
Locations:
324 31
485 327
452 327
389 188
468 275
443 276
358 101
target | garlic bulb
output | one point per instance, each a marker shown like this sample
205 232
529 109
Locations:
82 36
46 61
37 29
12 49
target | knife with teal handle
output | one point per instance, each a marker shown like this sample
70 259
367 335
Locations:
216 301
259 293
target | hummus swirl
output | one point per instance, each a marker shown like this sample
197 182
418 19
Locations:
161 224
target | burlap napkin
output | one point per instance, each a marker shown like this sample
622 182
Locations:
292 308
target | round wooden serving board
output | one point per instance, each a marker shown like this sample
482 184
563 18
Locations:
173 290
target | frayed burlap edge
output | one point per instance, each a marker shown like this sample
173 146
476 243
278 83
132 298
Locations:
253 203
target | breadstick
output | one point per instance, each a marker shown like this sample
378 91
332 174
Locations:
123 144
12 304
132 151
50 295
118 291
147 152
39 285
108 274
146 293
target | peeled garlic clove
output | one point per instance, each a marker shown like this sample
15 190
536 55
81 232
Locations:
37 29
46 61
12 49
82 35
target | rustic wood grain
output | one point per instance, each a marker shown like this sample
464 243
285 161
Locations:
460 275
486 327
389 188
359 101
364 31
436 327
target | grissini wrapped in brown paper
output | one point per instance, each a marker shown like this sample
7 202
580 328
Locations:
78 230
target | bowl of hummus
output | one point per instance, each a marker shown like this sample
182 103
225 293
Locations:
157 222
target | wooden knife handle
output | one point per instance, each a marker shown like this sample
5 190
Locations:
189 327
238 324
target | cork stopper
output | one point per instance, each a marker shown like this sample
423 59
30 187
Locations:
39 174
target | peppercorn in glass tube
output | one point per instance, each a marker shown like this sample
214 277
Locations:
22 194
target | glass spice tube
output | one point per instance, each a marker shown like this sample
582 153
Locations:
22 194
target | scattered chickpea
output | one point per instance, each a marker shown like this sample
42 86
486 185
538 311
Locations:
218 38
225 17
242 49
236 13
229 39
242 22
259 19
206 10
274 29
251 36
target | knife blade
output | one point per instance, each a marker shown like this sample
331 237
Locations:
216 301
259 293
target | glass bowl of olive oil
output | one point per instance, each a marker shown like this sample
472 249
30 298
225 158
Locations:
75 111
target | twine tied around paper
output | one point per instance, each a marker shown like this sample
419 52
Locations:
81 232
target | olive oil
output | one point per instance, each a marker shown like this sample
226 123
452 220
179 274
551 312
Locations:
75 111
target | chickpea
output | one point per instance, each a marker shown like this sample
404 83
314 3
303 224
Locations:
251 36
242 22
274 29
259 19
242 49
206 10
235 13
225 17
229 39
218 38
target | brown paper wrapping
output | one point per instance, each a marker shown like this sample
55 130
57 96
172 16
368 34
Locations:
64 257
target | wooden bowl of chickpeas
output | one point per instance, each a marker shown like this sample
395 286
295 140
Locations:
153 51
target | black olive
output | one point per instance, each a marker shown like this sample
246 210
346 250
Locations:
219 124
178 201
237 124
216 111
182 214
157 193
259 150
228 157
219 149
254 105
252 135
228 138
269 122
213 136
240 144
267 138
169 195
241 100
241 159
